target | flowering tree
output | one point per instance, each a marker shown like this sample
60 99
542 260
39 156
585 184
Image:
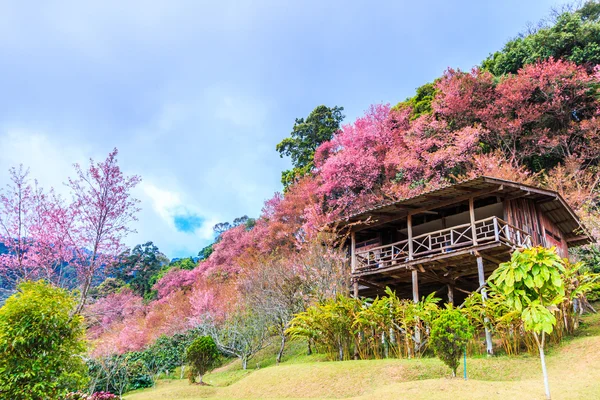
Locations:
35 248
102 209
44 233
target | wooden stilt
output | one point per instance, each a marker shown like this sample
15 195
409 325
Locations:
353 251
410 236
355 288
450 294
415 285
488 334
472 218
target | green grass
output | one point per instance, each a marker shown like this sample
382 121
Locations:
574 370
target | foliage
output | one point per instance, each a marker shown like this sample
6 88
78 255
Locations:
203 356
138 265
45 233
169 352
420 103
41 343
345 327
93 396
450 333
306 136
119 373
533 286
574 36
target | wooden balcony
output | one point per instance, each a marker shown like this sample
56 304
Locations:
492 230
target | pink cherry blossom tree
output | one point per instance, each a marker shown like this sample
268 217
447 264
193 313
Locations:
44 232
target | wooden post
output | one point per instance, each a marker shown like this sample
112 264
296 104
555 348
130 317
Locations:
450 294
353 251
488 335
360 335
496 230
415 285
410 236
472 217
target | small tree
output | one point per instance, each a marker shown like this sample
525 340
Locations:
203 356
532 282
41 343
450 333
243 334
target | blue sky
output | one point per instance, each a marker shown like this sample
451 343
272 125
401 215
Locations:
196 94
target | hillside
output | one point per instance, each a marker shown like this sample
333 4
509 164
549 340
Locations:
496 378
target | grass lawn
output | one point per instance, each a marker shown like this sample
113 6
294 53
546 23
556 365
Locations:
574 370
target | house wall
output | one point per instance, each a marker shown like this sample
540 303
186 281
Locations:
553 236
525 215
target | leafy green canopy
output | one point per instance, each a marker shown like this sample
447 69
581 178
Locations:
575 36
306 136
532 284
420 104
41 344
202 355
450 333
138 267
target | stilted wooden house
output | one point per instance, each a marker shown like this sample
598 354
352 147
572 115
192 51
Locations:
449 240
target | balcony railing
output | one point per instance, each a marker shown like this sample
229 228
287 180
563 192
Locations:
488 230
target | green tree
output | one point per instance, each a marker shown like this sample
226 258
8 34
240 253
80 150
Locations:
532 283
450 333
139 265
203 356
306 136
420 103
574 36
206 252
41 343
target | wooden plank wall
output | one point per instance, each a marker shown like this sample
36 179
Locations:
523 214
554 236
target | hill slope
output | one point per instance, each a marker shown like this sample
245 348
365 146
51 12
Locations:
574 370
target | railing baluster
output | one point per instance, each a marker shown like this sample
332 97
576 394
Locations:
445 240
496 233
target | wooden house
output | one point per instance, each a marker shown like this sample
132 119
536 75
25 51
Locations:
449 240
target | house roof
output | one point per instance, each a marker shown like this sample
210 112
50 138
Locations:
550 203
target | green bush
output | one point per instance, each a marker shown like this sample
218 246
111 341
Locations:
450 333
41 344
203 356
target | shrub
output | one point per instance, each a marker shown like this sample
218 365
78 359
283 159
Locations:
96 396
450 333
203 356
40 343
103 396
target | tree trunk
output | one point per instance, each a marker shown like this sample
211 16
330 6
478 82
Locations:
182 374
309 351
543 361
244 363
281 348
